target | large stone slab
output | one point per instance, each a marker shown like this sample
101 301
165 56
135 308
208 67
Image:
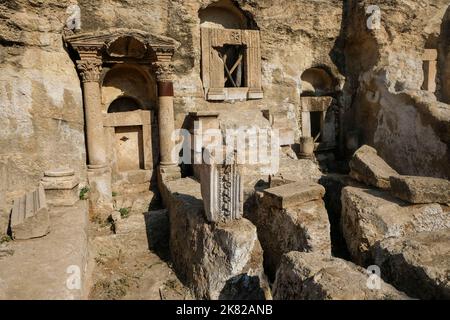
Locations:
313 276
369 216
418 264
298 224
421 189
30 216
298 170
217 261
293 194
53 267
367 167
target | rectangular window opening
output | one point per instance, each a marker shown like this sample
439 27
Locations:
233 57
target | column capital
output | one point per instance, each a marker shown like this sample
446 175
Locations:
90 69
164 71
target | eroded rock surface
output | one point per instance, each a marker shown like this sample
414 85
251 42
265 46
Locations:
421 189
418 264
217 261
367 167
369 216
292 217
312 276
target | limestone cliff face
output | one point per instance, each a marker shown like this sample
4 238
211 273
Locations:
392 112
41 111
379 72
296 35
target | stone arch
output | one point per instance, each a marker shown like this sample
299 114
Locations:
124 80
319 108
317 81
127 46
124 104
129 97
225 14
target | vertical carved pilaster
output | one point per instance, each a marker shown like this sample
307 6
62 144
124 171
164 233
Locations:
166 118
222 189
90 69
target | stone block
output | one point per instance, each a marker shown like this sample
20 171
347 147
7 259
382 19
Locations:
418 264
369 216
61 187
221 261
298 170
305 228
420 189
367 167
313 276
296 225
100 194
293 194
30 216
314 104
40 269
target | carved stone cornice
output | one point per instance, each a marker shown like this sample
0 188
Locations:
100 42
163 71
90 69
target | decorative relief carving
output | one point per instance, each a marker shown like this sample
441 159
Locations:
105 44
164 71
222 190
90 69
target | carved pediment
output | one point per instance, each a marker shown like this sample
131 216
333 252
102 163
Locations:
122 43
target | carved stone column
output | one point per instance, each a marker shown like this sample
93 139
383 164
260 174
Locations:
164 77
99 174
90 70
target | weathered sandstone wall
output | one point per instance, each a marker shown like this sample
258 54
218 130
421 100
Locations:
407 125
41 111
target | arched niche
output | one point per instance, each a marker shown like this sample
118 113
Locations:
129 96
319 109
129 81
224 14
317 82
124 104
127 46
